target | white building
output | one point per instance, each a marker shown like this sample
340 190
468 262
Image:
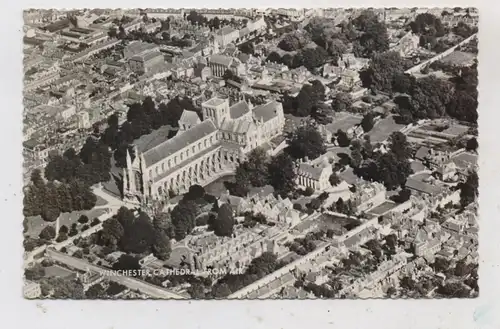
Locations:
202 150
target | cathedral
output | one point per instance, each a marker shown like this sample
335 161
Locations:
203 149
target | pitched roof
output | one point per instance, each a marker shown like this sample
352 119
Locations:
190 117
169 147
239 109
239 126
221 60
266 111
422 152
147 142
310 171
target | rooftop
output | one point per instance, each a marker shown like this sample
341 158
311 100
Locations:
147 142
171 146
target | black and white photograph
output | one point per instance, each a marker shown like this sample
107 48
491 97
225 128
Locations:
197 153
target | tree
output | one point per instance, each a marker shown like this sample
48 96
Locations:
399 145
427 24
67 289
48 233
247 48
184 218
403 196
341 102
273 57
392 171
37 179
374 37
282 174
367 148
454 290
469 189
463 106
127 262
196 192
305 141
305 101
253 172
356 155
368 122
161 245
342 139
221 291
34 273
139 237
63 229
383 71
83 219
334 179
223 225
112 232
430 97
292 41
472 144
313 57
95 291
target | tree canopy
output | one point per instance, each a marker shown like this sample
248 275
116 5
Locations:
305 141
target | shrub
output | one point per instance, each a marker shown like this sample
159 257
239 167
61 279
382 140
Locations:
308 191
83 219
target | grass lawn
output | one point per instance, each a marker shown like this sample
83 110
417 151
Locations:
383 129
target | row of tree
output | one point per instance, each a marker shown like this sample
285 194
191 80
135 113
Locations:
391 168
91 166
50 199
310 58
136 235
428 97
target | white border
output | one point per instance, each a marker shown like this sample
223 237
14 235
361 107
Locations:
483 312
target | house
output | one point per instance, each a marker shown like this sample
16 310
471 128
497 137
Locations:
226 35
188 120
145 62
315 175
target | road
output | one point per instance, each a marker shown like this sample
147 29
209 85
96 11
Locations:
131 283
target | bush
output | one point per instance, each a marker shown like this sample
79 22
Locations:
472 144
30 243
95 221
83 219
48 233
78 254
297 206
308 191
85 227
63 229
62 237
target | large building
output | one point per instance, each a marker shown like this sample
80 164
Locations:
201 151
